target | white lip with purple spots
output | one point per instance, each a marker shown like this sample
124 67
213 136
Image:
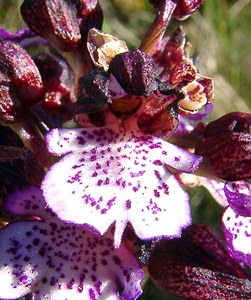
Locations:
56 260
116 175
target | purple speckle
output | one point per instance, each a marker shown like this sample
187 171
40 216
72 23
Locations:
128 204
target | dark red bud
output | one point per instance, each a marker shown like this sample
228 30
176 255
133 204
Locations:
198 266
135 71
233 122
21 70
226 147
59 90
54 20
10 105
184 8
90 14
63 23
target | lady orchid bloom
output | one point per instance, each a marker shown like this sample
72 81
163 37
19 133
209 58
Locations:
121 156
117 173
123 153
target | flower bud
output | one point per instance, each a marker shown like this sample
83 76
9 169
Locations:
21 83
10 105
19 66
90 14
54 20
184 8
63 23
226 147
197 266
59 90
136 72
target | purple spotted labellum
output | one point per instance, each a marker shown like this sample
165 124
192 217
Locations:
236 221
198 266
118 174
226 147
54 260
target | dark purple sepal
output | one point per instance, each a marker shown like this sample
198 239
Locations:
198 266
239 197
90 14
226 147
157 118
93 91
59 90
184 8
10 105
232 122
135 71
21 71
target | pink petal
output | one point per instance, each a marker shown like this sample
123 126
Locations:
55 260
116 177
237 230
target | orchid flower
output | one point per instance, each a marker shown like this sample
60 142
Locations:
51 259
118 174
